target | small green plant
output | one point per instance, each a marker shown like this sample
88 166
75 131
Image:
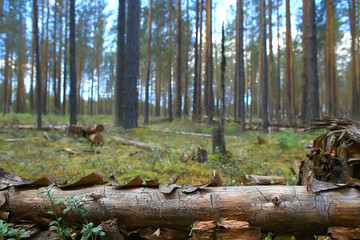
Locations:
88 229
19 234
54 225
4 228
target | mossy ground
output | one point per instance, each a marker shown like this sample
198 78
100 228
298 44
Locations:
35 156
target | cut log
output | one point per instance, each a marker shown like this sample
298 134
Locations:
95 138
279 209
95 129
138 144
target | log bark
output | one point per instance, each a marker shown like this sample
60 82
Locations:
279 209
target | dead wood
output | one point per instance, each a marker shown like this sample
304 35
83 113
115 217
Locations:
335 155
194 134
265 180
279 209
138 144
15 139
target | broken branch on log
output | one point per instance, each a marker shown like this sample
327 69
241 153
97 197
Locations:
279 209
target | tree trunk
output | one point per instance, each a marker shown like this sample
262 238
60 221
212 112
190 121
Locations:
73 103
195 115
264 68
178 60
56 110
132 64
279 209
65 56
20 93
278 84
209 92
270 63
200 71
158 86
37 62
310 57
32 62
355 112
170 63
289 68
120 67
187 42
148 58
240 63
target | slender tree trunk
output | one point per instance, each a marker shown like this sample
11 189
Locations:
310 57
37 62
132 64
65 57
209 68
200 90
289 68
46 61
54 58
195 116
6 77
32 55
58 92
170 63
21 55
264 67
158 86
73 103
240 63
355 111
278 97
120 67
270 63
187 42
178 60
148 59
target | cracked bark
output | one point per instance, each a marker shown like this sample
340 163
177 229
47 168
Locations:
279 209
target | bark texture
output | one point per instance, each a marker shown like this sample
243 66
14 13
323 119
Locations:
279 209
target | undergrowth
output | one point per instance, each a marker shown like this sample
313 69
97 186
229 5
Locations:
32 155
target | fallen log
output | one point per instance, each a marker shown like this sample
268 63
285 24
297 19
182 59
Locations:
138 144
205 135
279 209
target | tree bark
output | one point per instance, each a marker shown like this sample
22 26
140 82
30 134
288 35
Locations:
120 67
289 68
279 209
355 112
148 58
178 60
132 64
170 64
73 103
264 68
310 57
240 63
209 92
37 62
65 56
196 62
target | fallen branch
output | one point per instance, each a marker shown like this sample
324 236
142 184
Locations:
194 134
138 144
15 139
279 209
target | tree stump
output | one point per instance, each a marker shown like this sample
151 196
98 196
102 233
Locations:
218 140
335 156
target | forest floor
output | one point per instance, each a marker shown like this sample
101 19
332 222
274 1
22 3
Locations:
30 154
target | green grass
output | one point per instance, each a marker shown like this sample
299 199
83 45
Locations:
36 156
